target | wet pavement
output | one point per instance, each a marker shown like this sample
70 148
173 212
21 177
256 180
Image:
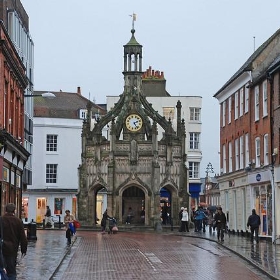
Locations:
50 258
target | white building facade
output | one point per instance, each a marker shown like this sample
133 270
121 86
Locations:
56 156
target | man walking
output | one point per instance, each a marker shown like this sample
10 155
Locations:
254 222
221 220
13 236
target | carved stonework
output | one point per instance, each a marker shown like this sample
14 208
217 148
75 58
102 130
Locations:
132 166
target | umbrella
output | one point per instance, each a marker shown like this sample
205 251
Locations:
212 208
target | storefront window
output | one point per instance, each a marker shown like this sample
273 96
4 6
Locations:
263 206
24 209
41 209
58 206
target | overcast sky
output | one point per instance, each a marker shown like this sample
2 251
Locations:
198 44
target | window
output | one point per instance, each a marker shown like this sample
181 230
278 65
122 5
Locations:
247 149
246 107
229 157
83 114
224 159
194 140
193 170
224 113
169 113
241 102
265 147
241 149
229 110
257 104
258 151
51 143
51 173
264 86
195 114
236 110
236 144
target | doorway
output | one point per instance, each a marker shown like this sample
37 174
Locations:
133 202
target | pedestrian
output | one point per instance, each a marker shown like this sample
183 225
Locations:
48 217
164 213
69 225
13 236
180 218
142 215
254 222
129 216
220 221
198 219
104 221
185 221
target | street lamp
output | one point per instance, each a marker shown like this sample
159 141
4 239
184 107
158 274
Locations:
209 169
48 95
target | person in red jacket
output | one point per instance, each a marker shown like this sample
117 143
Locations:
13 236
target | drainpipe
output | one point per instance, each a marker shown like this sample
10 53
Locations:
273 157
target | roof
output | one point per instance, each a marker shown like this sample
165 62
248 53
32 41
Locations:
132 41
247 66
64 105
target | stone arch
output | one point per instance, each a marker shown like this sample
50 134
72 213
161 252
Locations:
97 203
174 202
135 195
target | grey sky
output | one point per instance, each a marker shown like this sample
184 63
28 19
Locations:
198 45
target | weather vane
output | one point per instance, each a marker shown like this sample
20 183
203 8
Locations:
133 19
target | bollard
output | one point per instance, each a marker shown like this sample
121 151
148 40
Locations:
171 224
31 231
44 223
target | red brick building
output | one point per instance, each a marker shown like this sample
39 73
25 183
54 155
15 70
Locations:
14 66
249 140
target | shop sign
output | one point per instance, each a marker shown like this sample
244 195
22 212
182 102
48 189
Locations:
258 177
264 176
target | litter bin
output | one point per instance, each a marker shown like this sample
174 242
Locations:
31 231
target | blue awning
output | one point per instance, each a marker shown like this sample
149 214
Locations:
194 189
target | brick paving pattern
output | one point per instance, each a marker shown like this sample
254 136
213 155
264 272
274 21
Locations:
142 255
152 256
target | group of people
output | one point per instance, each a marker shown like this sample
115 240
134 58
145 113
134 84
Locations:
219 221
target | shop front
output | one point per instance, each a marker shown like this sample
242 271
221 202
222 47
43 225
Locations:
34 206
262 199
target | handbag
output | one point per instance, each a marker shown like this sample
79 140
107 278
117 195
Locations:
77 224
3 273
115 228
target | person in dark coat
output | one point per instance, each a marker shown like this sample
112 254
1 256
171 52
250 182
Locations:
164 213
104 219
254 222
220 221
13 236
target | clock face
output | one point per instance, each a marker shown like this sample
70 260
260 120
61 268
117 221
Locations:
133 122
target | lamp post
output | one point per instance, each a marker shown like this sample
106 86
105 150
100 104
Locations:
209 169
48 95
